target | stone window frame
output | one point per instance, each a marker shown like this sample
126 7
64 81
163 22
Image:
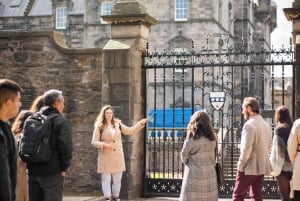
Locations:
106 8
181 10
61 18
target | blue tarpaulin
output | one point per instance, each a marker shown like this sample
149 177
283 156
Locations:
170 117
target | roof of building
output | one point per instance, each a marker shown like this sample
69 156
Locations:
78 7
17 8
11 8
41 7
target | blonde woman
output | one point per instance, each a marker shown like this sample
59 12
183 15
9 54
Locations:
22 185
108 140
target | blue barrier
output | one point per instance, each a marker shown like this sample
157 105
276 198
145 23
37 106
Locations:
170 117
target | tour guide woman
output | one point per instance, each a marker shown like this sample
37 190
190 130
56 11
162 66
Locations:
108 140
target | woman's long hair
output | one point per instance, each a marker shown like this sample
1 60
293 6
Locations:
37 104
17 126
200 125
283 117
101 122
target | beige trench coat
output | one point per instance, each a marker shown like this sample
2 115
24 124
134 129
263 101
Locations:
22 193
111 161
293 146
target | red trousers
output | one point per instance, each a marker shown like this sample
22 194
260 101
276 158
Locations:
243 183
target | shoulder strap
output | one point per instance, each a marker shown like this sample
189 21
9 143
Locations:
100 132
120 127
1 131
216 151
26 115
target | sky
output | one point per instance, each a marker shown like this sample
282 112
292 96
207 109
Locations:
282 34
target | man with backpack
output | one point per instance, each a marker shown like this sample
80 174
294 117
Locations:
10 103
46 178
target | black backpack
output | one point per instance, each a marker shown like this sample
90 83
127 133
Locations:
35 140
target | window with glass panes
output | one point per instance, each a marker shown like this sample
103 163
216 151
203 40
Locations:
106 8
61 18
180 10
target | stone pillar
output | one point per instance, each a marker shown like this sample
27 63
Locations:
293 14
124 85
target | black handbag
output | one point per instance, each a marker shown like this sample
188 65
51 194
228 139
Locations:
220 175
218 167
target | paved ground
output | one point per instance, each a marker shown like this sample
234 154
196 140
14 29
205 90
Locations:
70 198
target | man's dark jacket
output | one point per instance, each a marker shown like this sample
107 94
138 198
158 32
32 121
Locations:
61 143
8 163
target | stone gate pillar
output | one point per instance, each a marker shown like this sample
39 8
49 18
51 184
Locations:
123 84
293 14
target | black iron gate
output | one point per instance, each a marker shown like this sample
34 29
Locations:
181 82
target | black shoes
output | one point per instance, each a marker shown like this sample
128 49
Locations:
114 199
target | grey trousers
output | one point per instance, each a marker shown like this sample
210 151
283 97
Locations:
46 188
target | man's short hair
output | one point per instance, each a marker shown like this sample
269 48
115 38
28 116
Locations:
51 96
253 103
8 90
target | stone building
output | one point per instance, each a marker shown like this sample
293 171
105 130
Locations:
89 78
180 22
183 24
80 58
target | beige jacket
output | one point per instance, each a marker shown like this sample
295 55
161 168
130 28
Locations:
255 147
294 154
111 161
22 193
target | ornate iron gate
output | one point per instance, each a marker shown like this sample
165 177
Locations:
179 83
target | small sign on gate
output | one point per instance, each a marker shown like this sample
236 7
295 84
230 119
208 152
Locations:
217 99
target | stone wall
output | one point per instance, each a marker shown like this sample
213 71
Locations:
86 29
39 61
